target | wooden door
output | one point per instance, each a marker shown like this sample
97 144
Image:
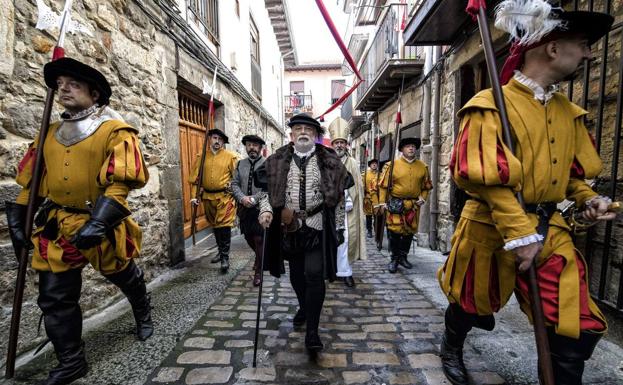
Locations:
193 123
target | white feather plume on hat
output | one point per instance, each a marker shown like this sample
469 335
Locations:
527 21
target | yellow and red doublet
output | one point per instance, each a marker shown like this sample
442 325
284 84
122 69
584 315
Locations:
371 192
218 202
110 163
410 181
554 154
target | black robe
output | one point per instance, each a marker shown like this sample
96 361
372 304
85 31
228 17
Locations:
273 174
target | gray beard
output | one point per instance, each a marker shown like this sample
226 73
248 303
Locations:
340 153
304 147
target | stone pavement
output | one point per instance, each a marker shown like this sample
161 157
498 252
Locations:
384 331
180 298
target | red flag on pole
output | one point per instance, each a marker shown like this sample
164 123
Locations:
473 6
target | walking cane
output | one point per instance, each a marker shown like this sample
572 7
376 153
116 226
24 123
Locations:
259 301
542 344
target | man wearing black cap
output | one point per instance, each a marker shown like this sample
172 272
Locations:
92 160
495 236
306 183
247 195
371 194
218 202
407 191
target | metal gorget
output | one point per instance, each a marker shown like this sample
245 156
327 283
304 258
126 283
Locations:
82 125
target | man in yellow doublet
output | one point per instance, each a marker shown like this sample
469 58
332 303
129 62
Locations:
404 194
553 157
371 195
218 202
91 160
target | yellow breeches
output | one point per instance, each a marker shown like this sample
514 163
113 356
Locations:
480 276
405 223
58 255
220 210
367 206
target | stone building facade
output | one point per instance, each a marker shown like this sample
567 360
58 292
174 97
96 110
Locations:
454 70
151 57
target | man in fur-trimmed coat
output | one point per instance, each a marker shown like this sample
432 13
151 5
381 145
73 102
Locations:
302 210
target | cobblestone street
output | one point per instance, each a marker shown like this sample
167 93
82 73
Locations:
383 331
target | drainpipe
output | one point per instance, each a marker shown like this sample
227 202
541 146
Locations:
425 152
435 142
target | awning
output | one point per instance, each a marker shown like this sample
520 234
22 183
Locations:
440 22
388 82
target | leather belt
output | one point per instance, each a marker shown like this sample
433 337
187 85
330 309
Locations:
545 211
214 191
304 214
69 209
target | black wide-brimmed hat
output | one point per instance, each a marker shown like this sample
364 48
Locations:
592 25
253 139
373 161
411 140
79 71
216 131
306 119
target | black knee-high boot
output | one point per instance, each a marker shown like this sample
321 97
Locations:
218 234
394 249
132 283
59 294
224 242
569 354
405 246
369 225
458 324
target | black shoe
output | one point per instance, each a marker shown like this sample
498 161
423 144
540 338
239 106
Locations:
312 341
299 318
369 235
216 259
405 263
131 281
142 316
393 266
224 264
349 281
72 366
452 363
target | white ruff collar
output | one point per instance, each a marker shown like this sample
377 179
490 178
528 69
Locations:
540 94
303 154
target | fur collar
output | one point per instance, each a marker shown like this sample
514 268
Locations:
332 172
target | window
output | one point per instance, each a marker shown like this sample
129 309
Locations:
338 88
255 42
256 71
297 87
204 13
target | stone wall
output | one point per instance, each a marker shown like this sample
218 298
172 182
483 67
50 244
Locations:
139 59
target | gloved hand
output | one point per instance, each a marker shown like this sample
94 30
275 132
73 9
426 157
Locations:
107 214
340 236
194 202
16 220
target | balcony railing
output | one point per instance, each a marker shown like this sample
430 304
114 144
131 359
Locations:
384 47
294 104
256 79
